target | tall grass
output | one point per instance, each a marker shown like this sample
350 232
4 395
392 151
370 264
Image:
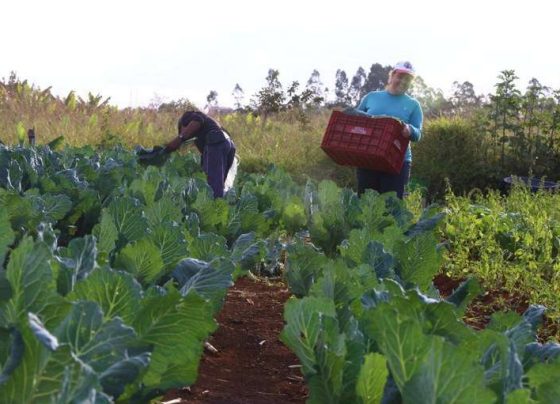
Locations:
79 121
289 140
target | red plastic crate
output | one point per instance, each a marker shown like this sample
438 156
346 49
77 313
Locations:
360 141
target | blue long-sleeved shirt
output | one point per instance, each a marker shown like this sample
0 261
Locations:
403 107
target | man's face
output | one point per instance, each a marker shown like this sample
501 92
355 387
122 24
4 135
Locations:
399 82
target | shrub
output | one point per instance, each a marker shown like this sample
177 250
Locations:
452 149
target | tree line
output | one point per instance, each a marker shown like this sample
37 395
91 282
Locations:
506 103
275 97
347 91
521 124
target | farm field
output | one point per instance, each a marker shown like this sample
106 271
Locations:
320 203
115 274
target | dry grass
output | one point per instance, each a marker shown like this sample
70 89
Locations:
289 140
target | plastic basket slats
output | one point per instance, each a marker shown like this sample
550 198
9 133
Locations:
375 143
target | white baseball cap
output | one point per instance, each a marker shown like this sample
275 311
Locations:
404 67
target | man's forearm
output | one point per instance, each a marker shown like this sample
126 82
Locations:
174 144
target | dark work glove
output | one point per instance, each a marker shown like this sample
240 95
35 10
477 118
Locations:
156 156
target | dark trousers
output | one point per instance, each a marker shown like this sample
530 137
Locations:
217 159
383 182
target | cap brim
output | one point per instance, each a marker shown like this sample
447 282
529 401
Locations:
405 71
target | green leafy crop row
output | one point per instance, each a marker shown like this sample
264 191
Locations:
510 242
368 325
112 273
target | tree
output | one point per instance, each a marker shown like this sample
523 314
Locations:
532 104
238 96
315 88
377 79
433 101
341 89
177 106
294 99
532 101
270 99
464 99
536 117
505 109
212 100
555 117
298 101
356 84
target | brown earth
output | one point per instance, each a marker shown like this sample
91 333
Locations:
251 365
492 300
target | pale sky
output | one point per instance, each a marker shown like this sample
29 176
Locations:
132 51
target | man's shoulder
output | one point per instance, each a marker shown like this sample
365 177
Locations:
376 94
410 99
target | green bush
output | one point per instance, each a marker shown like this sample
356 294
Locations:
452 149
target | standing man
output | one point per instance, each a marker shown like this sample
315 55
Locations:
393 101
216 147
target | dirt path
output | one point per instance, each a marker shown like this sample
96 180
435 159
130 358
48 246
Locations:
252 365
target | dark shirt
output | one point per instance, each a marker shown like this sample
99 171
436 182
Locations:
210 131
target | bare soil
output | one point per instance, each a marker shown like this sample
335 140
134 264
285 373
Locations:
252 365
492 300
